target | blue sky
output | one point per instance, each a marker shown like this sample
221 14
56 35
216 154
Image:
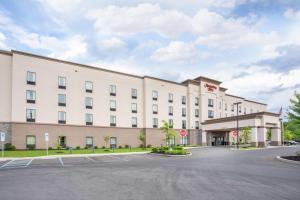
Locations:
253 46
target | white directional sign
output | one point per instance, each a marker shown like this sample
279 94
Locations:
2 137
46 137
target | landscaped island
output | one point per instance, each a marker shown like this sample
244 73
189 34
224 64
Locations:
176 150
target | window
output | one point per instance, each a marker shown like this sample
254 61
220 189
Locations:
88 119
88 102
232 107
61 100
183 124
220 105
154 95
133 107
112 90
196 101
210 114
155 108
251 110
113 121
196 112
245 111
30 142
62 82
225 106
30 96
170 98
31 78
183 112
196 124
113 105
171 123
61 117
89 141
155 122
30 115
89 86
210 103
183 100
171 110
134 122
240 109
134 93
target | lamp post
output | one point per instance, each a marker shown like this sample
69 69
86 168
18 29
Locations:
237 123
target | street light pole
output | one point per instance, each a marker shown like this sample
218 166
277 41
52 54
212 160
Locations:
237 123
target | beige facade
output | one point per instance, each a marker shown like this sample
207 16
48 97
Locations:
113 107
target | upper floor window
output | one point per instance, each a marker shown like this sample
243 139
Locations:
112 90
183 124
134 93
88 119
183 100
170 98
62 82
113 105
30 115
183 112
155 122
88 102
196 101
171 110
31 78
232 107
210 103
220 105
89 86
155 108
154 95
134 121
133 107
251 110
30 96
245 110
113 120
171 123
196 124
196 112
62 100
225 106
61 117
240 109
210 114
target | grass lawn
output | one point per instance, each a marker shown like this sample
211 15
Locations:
35 153
247 148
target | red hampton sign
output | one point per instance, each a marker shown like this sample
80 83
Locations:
209 87
183 133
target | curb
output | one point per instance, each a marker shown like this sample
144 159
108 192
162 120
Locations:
170 155
287 161
263 148
71 156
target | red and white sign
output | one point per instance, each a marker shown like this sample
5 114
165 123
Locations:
234 132
209 87
183 133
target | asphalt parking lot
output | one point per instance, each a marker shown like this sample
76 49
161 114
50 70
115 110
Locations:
210 173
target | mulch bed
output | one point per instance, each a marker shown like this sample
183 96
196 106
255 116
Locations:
294 158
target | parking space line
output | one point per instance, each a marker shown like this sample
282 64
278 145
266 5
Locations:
29 162
61 162
115 157
142 156
7 163
91 159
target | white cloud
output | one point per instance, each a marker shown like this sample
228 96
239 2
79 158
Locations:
292 14
179 52
112 45
2 41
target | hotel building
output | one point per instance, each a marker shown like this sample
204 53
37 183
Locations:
78 105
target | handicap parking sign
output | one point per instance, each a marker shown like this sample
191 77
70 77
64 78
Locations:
2 137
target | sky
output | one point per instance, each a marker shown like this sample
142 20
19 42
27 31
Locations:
252 46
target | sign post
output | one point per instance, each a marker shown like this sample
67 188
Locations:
47 140
2 141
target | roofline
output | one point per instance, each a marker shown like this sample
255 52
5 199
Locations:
190 81
6 52
207 79
223 89
158 79
241 117
234 96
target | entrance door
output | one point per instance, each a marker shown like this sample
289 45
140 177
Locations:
219 141
62 141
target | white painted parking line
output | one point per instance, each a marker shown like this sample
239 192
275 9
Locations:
7 163
116 157
91 159
29 163
17 164
61 162
142 156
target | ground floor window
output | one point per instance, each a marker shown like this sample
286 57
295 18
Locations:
62 141
184 140
89 142
113 142
171 142
30 142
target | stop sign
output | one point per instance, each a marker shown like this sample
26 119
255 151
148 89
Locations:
234 132
183 133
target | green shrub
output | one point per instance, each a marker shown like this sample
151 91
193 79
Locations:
141 146
31 147
126 146
78 147
120 147
103 147
9 147
86 147
106 149
95 147
154 150
176 152
50 148
149 146
178 148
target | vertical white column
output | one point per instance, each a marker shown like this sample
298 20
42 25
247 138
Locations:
261 137
275 136
254 136
204 139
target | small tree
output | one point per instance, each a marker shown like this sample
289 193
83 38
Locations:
288 135
106 139
245 136
169 132
142 138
